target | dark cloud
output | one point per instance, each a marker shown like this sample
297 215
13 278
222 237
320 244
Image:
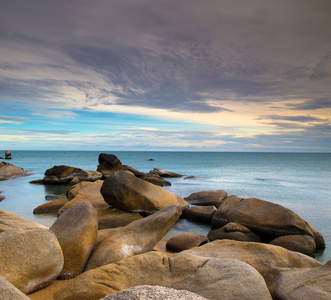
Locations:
317 103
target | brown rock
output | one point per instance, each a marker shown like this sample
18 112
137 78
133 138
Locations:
30 259
113 218
50 207
185 241
164 173
125 191
108 164
201 214
8 170
89 188
155 179
10 292
76 229
207 198
8 155
133 170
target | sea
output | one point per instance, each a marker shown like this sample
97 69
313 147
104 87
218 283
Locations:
298 181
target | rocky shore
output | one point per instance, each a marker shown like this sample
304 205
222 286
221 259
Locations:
107 242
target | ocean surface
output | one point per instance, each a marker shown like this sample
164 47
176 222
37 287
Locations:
298 181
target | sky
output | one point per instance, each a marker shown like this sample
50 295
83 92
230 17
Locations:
165 75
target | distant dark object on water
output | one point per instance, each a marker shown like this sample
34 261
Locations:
8 155
151 159
1 157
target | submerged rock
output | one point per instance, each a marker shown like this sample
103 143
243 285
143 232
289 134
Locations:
8 170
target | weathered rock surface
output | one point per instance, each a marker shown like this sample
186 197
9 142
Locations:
133 170
262 257
10 292
203 276
300 243
164 173
90 188
185 241
149 292
50 207
30 259
8 170
65 174
303 284
234 231
9 221
76 229
138 237
8 154
113 218
155 179
207 198
125 191
201 214
108 164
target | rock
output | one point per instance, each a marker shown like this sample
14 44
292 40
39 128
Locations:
74 181
65 174
300 243
155 179
303 284
90 188
8 170
138 237
113 218
207 198
150 159
37 181
2 197
149 292
201 214
8 154
262 217
164 173
262 257
30 259
203 276
133 170
185 241
10 221
50 207
234 231
125 191
76 229
108 164
10 292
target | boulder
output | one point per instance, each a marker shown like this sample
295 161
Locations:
133 170
300 243
8 170
201 214
76 229
108 164
153 292
10 292
30 259
65 174
155 179
125 191
2 197
185 241
89 188
50 207
138 237
164 173
303 284
10 221
233 231
262 257
203 276
8 155
207 198
113 218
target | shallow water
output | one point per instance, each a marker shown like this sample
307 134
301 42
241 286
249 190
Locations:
299 181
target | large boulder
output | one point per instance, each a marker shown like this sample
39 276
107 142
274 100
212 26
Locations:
65 174
303 284
201 214
89 188
9 221
113 218
10 292
155 179
184 241
262 257
108 164
138 237
50 207
76 229
207 198
8 170
133 170
204 276
30 259
125 191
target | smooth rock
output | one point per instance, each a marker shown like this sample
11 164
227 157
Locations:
300 243
8 170
201 214
125 191
113 218
138 237
89 188
8 155
185 241
50 207
303 284
10 292
108 164
30 259
148 292
262 257
155 179
204 276
207 198
76 229
164 173
133 170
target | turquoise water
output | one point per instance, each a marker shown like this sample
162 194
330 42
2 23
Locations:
299 181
